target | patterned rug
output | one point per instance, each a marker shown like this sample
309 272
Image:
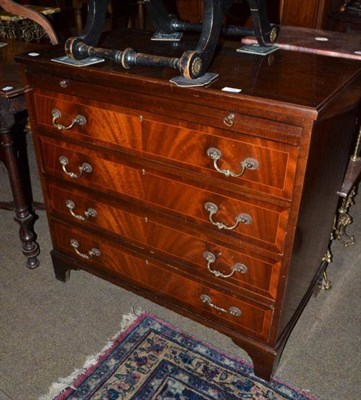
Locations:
149 359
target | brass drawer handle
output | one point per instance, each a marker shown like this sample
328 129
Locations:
90 212
85 167
229 120
64 83
234 311
91 253
211 259
240 219
247 164
56 114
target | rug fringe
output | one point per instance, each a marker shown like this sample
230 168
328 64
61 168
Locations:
64 383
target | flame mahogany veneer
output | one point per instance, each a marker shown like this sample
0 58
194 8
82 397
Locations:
128 185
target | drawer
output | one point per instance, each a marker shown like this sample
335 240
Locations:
262 224
232 158
196 250
250 317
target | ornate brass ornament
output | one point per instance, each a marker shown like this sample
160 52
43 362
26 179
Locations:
348 192
211 259
240 219
233 311
344 219
90 212
26 22
24 29
274 34
85 167
7 30
78 120
327 257
247 164
94 252
326 283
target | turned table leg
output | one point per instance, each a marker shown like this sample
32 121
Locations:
22 215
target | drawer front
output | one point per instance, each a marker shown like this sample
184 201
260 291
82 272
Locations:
250 317
253 163
264 224
100 124
233 158
196 249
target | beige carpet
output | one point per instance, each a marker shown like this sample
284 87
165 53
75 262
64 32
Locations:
47 328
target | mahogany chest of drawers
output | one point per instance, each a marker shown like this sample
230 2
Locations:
217 205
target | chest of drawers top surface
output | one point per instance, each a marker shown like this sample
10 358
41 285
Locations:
285 80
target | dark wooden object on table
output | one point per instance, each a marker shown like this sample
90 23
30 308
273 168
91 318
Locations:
193 63
142 191
13 145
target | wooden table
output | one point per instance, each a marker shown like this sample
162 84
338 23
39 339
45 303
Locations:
13 145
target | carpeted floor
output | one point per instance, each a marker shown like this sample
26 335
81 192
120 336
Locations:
47 328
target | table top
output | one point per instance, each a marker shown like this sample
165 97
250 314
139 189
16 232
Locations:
11 80
327 43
